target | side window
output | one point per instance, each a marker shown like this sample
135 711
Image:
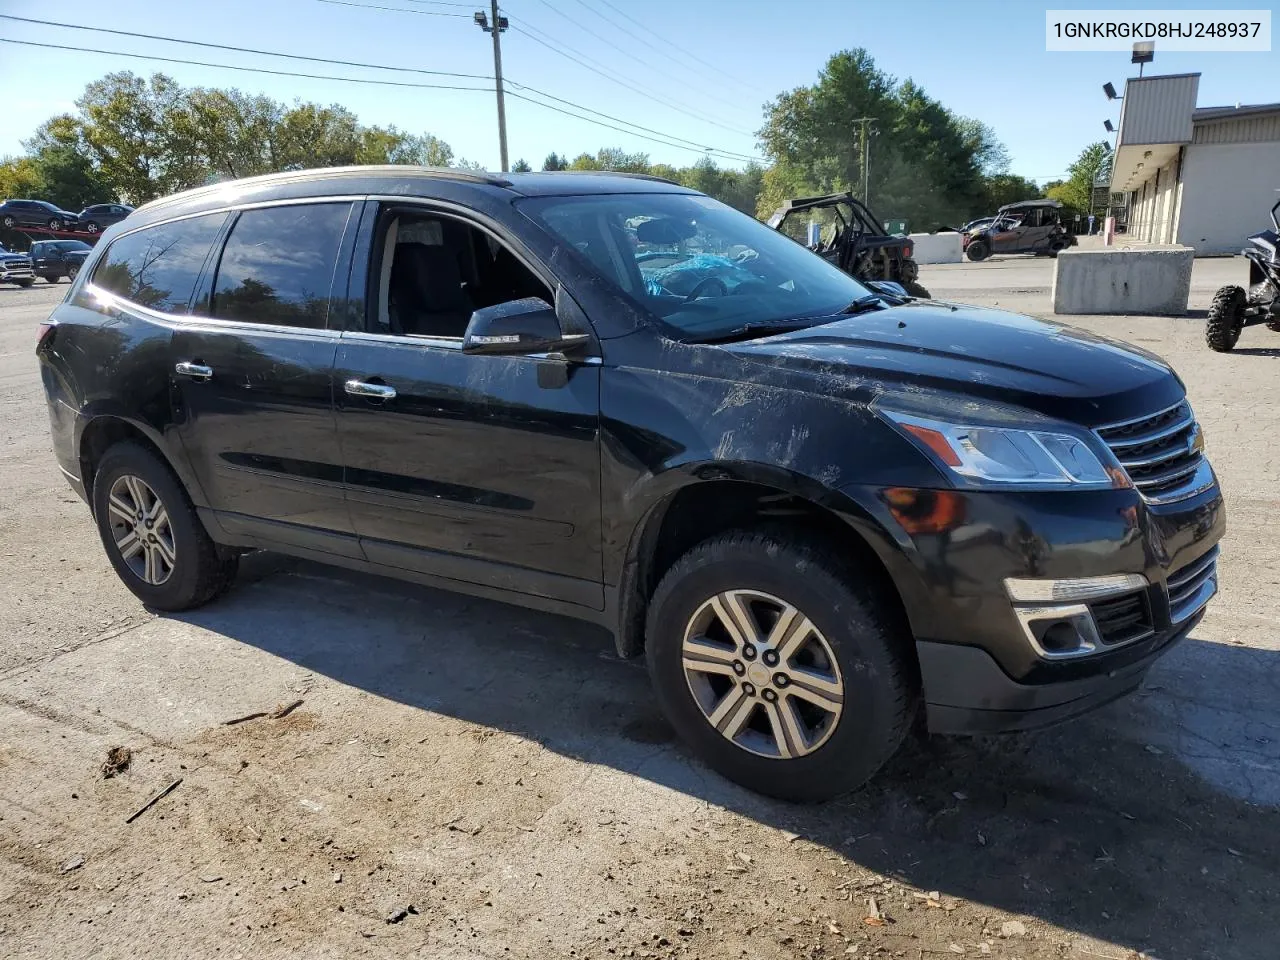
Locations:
158 267
278 265
434 271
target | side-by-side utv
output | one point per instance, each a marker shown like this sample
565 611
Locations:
852 238
1235 308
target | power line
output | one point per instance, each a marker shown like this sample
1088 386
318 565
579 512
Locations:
223 46
605 40
668 143
421 13
693 144
681 61
671 43
610 75
391 83
228 66
444 3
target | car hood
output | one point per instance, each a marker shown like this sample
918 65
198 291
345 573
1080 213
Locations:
1058 370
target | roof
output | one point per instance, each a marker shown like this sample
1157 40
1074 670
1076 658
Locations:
1202 114
408 181
1029 205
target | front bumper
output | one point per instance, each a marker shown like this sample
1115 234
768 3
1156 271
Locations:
954 551
968 693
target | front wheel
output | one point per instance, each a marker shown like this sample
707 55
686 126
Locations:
73 271
25 283
55 224
9 223
914 289
780 667
1226 319
977 250
151 533
91 227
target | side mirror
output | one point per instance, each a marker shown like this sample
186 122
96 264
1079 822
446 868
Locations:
517 326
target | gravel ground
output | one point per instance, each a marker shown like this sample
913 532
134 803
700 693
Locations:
467 779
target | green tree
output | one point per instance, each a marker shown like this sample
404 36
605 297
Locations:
554 162
521 166
1007 188
19 178
1077 191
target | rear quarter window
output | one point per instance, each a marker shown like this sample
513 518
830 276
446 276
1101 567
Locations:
158 267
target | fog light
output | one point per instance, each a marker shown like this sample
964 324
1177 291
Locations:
1059 633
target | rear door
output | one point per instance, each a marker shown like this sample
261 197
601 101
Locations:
253 372
483 469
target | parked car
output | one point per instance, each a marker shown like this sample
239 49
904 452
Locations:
819 510
35 213
16 268
55 259
102 215
1029 226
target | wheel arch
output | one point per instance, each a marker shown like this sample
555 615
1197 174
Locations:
716 498
102 431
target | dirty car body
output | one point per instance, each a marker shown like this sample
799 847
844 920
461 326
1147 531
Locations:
563 440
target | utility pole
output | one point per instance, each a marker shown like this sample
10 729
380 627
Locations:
498 24
866 157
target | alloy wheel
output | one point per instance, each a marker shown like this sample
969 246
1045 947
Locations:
141 530
762 674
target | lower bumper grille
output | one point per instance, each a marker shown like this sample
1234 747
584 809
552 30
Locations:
1192 586
1123 619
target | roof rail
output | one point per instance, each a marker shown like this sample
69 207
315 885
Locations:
324 173
618 173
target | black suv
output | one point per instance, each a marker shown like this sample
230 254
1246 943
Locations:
102 215
55 259
817 508
36 213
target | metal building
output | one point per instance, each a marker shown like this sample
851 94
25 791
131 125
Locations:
1203 177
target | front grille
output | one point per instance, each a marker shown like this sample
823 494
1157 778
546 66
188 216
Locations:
1191 587
1160 453
1122 619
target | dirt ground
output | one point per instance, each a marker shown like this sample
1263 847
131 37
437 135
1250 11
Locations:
464 779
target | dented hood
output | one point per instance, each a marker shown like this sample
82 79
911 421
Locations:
1007 357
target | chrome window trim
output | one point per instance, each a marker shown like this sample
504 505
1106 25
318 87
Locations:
191 322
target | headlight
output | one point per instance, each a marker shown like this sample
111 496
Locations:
982 454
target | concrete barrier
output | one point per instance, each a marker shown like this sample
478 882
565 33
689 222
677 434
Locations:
1148 280
936 247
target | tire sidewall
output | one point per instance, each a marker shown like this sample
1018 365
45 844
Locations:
184 581
866 733
981 248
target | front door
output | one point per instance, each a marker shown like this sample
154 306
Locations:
253 375
483 469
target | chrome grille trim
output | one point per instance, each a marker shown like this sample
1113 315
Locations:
1192 586
1160 453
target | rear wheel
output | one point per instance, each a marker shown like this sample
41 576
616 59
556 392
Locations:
52 279
151 532
1226 319
9 223
25 283
91 227
55 224
977 250
914 288
73 271
779 667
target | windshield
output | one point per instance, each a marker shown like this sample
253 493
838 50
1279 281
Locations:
700 266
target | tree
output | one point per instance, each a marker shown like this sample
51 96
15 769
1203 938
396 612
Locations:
1077 191
521 166
19 177
1007 188
554 162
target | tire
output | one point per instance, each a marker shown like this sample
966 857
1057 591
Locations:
197 568
55 224
914 288
54 279
9 223
91 226
1226 319
25 283
73 271
977 251
855 645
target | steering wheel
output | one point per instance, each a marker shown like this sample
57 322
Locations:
707 282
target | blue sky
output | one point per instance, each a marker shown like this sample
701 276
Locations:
982 58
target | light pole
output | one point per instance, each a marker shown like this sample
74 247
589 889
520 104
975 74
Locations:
498 25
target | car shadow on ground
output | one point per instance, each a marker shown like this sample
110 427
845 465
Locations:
1084 825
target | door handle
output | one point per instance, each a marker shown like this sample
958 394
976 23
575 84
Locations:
362 388
196 371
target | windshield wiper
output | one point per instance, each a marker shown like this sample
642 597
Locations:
749 331
864 303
